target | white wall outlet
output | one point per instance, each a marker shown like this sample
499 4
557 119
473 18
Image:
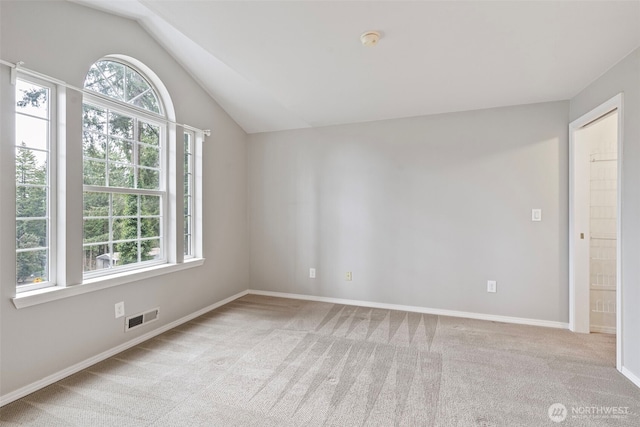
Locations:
349 276
119 309
312 273
492 286
536 214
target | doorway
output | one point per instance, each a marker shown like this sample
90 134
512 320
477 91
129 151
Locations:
594 242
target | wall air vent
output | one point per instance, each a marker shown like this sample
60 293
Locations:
140 319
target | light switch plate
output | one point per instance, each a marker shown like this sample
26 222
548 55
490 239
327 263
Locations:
536 214
492 286
312 273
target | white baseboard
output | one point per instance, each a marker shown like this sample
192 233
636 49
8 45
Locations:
631 376
24 391
603 329
425 310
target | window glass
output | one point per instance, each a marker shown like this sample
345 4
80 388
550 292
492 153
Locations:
123 172
123 83
33 189
188 193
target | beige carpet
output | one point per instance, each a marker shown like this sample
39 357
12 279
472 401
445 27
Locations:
262 361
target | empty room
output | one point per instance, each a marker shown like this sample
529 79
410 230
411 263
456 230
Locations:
322 213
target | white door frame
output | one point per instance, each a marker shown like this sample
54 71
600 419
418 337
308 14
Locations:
575 325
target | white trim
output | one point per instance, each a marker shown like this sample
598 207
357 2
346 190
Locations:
191 186
615 103
35 386
198 197
51 186
41 296
603 329
415 309
630 376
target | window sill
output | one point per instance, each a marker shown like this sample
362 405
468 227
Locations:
52 293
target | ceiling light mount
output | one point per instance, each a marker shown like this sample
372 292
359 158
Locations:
370 38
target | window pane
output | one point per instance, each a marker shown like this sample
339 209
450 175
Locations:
148 178
125 228
150 205
31 234
187 224
31 267
187 165
32 132
31 166
97 257
148 133
126 253
120 150
151 250
150 227
33 139
94 119
96 204
123 83
94 173
96 230
139 92
97 82
149 156
94 145
112 75
120 125
107 78
121 175
187 244
125 204
32 99
188 191
136 85
148 101
31 202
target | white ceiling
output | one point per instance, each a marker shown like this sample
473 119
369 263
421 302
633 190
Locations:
294 64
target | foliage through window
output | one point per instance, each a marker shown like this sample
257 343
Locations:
33 184
121 82
124 191
130 182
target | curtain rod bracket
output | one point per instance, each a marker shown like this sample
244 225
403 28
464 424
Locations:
14 72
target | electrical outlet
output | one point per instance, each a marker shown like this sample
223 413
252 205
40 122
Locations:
312 273
119 309
492 286
349 276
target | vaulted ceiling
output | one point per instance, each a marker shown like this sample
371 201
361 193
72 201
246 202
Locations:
295 64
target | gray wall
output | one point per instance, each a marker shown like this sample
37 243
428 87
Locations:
625 78
62 39
423 211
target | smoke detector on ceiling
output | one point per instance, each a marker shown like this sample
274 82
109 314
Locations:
370 38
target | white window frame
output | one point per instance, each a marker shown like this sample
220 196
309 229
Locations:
66 276
51 183
191 164
137 114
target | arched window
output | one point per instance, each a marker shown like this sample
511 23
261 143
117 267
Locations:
121 82
141 181
124 170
